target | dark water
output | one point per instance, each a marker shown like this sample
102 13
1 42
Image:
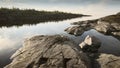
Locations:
11 38
110 45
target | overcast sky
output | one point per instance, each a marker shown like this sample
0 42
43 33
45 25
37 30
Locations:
113 2
94 7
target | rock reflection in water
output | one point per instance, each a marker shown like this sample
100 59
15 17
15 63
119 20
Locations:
109 45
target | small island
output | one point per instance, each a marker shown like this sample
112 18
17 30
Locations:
16 16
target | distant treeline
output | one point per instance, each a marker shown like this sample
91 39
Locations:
15 16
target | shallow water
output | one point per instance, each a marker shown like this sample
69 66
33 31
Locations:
11 38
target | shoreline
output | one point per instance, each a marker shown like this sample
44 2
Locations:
89 22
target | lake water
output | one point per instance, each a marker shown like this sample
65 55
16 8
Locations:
11 38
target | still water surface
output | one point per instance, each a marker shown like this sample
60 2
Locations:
11 38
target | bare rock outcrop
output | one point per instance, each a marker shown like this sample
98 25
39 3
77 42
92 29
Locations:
49 52
80 27
108 61
85 23
75 30
59 52
108 28
109 25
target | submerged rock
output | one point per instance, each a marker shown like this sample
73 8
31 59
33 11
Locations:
49 52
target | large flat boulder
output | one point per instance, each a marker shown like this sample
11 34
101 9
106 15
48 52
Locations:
49 52
59 52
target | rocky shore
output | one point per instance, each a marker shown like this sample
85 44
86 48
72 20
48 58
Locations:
57 51
49 52
109 25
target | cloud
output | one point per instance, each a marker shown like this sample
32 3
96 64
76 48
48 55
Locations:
10 43
80 2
